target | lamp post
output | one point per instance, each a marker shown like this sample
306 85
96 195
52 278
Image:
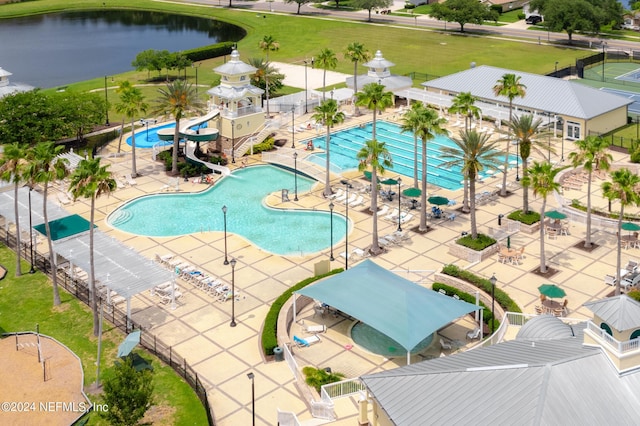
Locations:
253 395
295 175
517 160
233 141
493 281
399 215
293 127
555 73
224 212
32 270
549 139
196 68
331 210
306 94
562 149
604 57
233 292
346 226
106 101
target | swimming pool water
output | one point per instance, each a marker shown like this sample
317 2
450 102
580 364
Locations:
381 344
148 137
346 143
284 232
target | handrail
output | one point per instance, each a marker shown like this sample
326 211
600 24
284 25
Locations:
617 345
341 389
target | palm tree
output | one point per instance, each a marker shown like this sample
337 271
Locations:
327 113
131 105
524 128
12 164
177 99
376 155
356 52
425 124
473 152
266 76
509 85
625 187
266 44
542 178
45 166
326 60
91 180
464 103
375 98
592 154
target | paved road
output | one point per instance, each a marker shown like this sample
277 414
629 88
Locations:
512 30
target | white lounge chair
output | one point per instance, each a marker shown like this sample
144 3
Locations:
473 334
445 345
130 180
351 199
359 200
62 197
303 343
313 329
383 210
336 194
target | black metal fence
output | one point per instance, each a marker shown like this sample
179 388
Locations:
117 317
422 76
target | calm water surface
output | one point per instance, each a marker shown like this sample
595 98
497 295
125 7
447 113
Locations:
58 49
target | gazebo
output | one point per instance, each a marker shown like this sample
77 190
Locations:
379 73
396 307
8 88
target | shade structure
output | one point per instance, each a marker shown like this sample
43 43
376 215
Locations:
438 200
554 214
396 307
412 192
630 226
65 227
551 290
129 342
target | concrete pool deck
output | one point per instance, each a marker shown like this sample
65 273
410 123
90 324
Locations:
199 331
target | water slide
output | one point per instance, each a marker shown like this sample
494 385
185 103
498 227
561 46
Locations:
202 135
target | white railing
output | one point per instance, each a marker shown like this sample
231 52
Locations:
287 418
341 389
249 141
291 362
284 157
620 347
322 410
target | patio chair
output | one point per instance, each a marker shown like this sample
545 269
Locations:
445 345
609 280
632 266
304 343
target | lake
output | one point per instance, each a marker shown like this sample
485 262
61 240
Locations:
57 49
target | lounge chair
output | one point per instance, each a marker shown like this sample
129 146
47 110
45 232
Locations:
406 217
130 180
357 201
336 194
62 197
473 334
351 199
313 329
303 343
383 210
445 345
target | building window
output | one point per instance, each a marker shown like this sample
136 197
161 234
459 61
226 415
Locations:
573 130
606 328
243 77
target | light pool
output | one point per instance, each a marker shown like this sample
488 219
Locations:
372 340
346 143
283 232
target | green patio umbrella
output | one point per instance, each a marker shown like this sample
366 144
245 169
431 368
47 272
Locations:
412 192
367 176
554 214
630 226
438 201
551 290
389 182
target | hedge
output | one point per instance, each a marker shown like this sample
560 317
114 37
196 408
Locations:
270 330
487 315
477 244
528 219
211 51
484 284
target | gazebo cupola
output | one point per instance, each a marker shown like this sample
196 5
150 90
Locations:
239 101
379 66
379 72
4 77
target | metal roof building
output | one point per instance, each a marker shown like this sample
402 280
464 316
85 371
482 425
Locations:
579 109
536 381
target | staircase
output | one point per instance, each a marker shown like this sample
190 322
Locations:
250 140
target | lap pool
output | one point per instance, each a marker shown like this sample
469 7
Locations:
282 232
346 143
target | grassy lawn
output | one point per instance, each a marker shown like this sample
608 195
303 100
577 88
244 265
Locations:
510 16
28 300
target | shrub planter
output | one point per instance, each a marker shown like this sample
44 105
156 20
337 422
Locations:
523 227
472 255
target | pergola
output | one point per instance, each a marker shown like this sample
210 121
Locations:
396 307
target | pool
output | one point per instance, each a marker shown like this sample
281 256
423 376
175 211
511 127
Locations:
374 341
346 143
283 232
147 137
